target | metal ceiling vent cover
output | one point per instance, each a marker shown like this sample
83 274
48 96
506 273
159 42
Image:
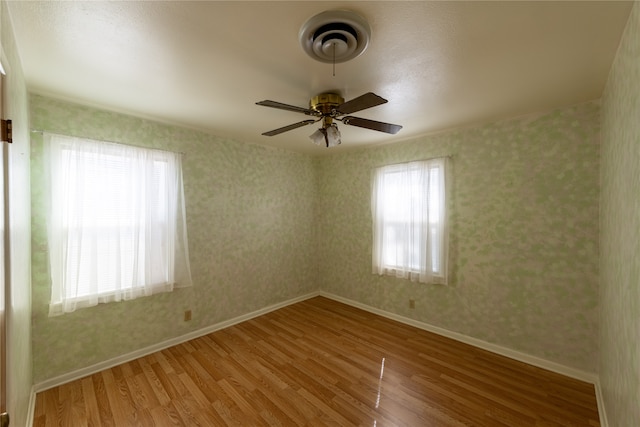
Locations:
335 36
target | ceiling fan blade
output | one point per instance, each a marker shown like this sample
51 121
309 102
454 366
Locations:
281 106
371 124
287 128
362 102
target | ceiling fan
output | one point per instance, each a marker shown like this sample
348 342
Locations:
329 107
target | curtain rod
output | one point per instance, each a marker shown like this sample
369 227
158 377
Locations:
105 140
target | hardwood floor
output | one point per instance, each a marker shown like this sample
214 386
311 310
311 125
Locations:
315 363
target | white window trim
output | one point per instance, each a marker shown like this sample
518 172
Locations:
422 270
162 258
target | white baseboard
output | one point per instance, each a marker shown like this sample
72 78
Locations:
31 410
90 370
604 421
503 351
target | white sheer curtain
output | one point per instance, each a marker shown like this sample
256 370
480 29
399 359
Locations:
116 222
410 236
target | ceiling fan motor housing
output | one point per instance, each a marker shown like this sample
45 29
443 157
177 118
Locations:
335 36
325 102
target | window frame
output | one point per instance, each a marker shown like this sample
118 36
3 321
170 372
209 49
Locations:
159 192
414 226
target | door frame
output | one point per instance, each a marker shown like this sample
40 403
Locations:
5 268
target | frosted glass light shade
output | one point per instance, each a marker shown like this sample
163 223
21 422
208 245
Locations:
329 136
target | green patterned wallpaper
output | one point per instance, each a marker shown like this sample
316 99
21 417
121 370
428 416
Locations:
268 225
620 223
524 237
250 219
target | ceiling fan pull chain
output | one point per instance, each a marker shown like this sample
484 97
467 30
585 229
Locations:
334 59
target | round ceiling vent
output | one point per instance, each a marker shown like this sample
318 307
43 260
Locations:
335 36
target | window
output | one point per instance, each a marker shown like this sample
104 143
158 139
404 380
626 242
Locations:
115 222
409 221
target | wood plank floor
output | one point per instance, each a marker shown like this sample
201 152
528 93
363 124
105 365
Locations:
316 363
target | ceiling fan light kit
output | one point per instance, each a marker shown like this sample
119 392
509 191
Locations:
328 136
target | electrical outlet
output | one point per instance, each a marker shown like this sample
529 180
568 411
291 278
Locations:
412 303
187 315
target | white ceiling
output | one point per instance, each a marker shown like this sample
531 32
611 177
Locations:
203 65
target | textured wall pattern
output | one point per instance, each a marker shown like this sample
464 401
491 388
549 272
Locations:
250 214
524 237
620 261
523 244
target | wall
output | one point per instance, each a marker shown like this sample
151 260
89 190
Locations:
250 220
620 238
524 242
19 376
524 237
